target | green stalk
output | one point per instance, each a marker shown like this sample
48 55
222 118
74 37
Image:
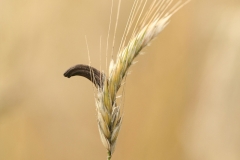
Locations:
109 155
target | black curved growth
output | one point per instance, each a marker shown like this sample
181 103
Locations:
94 75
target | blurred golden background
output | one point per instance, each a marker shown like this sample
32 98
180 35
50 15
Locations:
182 100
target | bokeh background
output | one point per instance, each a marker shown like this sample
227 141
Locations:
182 100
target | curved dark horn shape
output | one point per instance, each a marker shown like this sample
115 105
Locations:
88 72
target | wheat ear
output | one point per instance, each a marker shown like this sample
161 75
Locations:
108 112
109 118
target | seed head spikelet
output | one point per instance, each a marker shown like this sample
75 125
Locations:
147 27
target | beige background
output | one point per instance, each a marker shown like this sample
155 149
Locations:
182 100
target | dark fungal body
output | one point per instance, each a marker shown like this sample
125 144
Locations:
94 75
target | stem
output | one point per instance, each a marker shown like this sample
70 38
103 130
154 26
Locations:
109 155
